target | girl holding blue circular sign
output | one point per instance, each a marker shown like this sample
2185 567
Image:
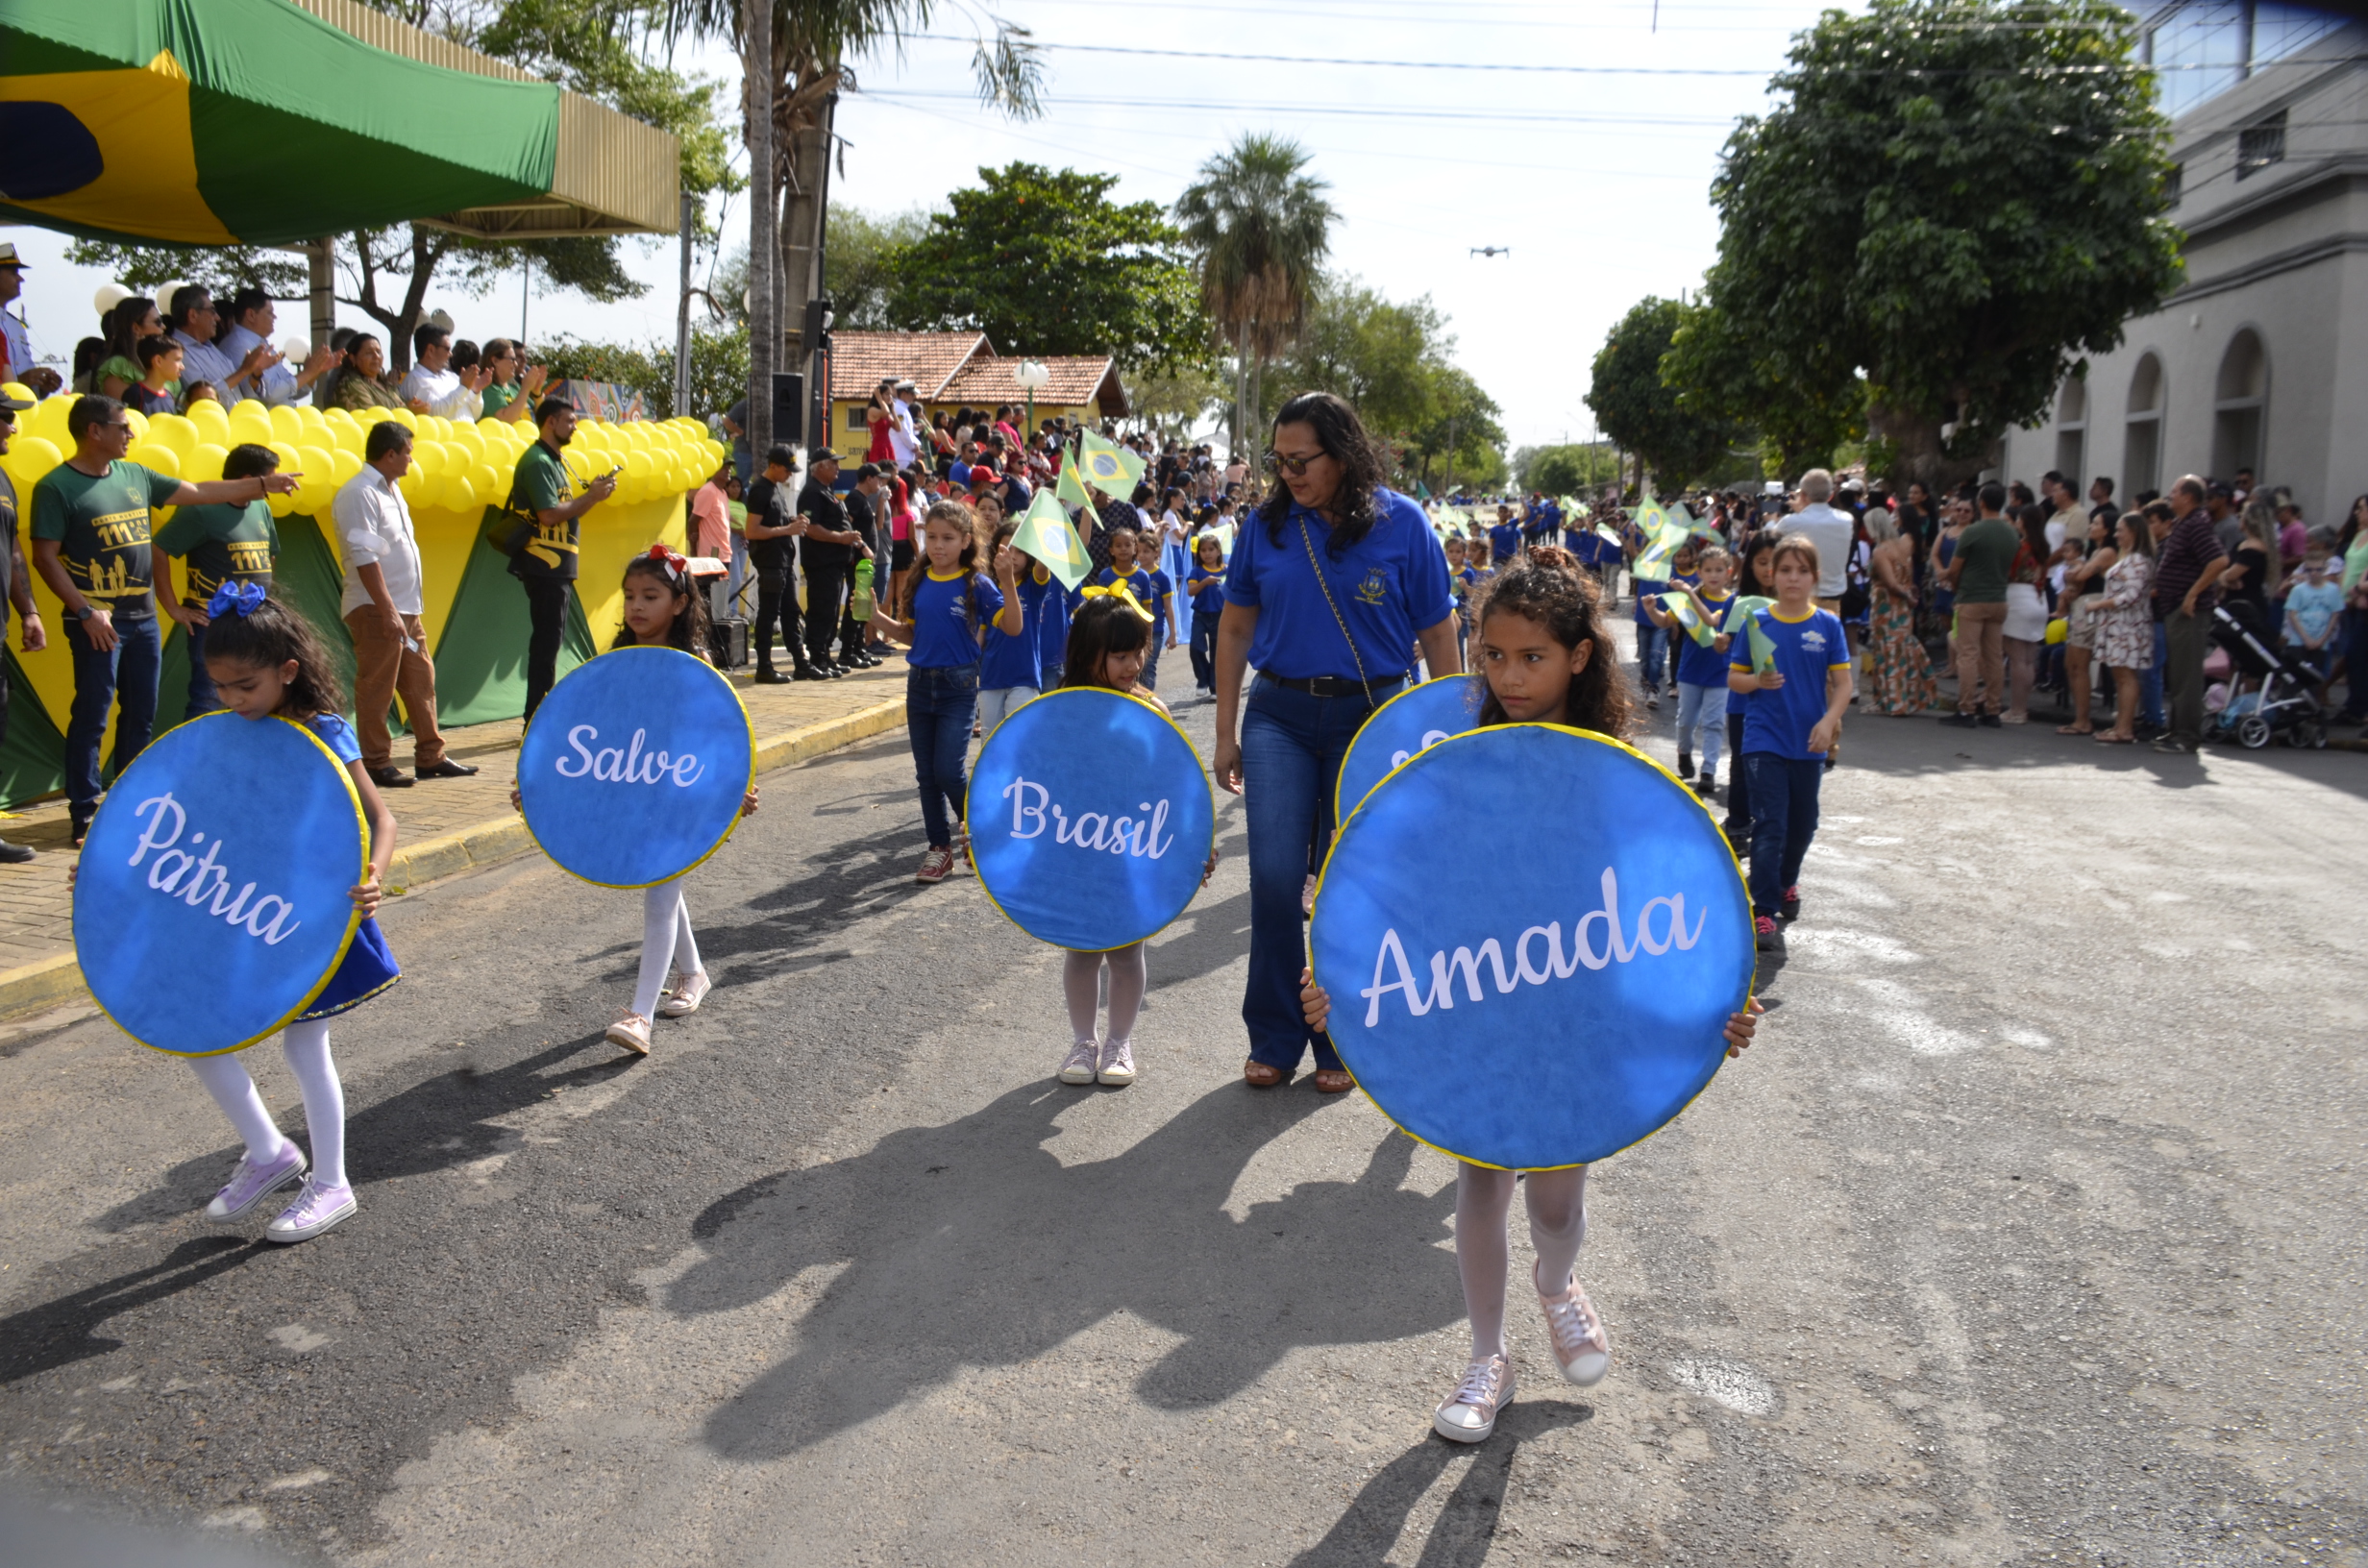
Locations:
952 605
1545 654
1332 583
266 661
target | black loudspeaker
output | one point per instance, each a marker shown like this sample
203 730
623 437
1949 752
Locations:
730 642
788 404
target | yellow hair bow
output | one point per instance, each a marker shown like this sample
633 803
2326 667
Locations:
1120 592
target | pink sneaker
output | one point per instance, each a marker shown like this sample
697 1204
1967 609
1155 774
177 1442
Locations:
315 1209
1581 1347
1083 1057
251 1184
936 865
1470 1414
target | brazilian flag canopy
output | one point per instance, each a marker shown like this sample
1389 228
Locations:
220 122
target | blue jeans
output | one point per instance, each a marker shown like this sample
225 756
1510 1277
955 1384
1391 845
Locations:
1204 649
203 698
1293 743
1784 818
1701 717
2150 680
125 675
1652 642
939 705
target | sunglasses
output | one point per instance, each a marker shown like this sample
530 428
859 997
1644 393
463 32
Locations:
1296 467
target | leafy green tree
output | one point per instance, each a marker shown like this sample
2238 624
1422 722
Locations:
1459 440
1259 227
719 368
1639 409
1044 262
1382 357
1960 199
1564 470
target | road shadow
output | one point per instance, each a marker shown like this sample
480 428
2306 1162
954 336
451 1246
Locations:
973 1244
61 1331
1466 1525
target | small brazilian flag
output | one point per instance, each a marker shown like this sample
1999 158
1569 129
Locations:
1044 533
1108 467
1070 488
1681 609
1762 651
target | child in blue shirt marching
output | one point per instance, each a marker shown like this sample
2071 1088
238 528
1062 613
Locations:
1011 667
1151 589
952 605
267 660
1206 586
1701 669
1791 718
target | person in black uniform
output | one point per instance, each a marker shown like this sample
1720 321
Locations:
773 531
863 517
826 553
16 588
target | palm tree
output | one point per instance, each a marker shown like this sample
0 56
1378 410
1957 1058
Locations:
1262 228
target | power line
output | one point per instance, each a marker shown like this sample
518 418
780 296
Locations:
1346 111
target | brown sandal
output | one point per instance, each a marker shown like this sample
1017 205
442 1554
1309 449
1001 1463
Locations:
1261 1074
1335 1081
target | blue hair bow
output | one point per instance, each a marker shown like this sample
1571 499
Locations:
235 599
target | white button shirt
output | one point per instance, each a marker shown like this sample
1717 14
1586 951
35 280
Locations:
374 524
442 392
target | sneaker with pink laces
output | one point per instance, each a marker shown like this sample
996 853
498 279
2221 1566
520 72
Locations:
1083 1058
1470 1414
1118 1064
936 865
251 1184
1581 1347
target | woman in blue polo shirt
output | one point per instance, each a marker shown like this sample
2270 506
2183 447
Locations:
1333 578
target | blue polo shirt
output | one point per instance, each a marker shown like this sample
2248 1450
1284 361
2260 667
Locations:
1698 664
1503 540
1017 661
1388 587
1049 625
944 612
1210 600
1780 720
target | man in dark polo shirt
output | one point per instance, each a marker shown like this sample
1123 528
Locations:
2188 564
826 555
772 529
16 588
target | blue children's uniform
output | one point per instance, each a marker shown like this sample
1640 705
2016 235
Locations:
1049 625
948 612
1208 609
369 966
1504 540
1784 773
940 690
1017 661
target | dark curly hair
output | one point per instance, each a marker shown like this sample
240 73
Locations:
270 635
1553 591
688 632
1100 627
1357 505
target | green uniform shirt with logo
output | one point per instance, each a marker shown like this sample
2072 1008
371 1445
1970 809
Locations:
222 543
542 483
102 529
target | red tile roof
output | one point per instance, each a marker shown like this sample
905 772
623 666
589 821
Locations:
860 360
1079 381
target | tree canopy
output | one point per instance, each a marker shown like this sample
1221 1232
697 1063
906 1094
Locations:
1044 262
1960 199
1640 410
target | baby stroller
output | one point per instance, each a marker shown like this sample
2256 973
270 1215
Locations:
2284 703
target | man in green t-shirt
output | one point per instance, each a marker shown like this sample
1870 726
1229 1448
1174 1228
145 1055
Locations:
16 588
1985 559
225 543
545 564
90 544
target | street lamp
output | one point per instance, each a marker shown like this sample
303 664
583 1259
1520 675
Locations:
1032 377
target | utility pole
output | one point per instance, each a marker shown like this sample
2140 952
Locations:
683 316
319 258
764 334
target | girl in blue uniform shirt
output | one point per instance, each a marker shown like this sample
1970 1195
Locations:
952 605
1010 667
1791 718
1701 669
267 660
1207 587
1151 589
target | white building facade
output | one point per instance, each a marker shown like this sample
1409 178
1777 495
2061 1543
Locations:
2259 359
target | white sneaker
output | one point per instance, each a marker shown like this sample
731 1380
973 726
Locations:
1083 1058
683 996
315 1209
1470 1414
632 1032
1118 1064
1580 1346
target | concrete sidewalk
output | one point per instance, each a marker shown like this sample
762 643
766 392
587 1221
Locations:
444 826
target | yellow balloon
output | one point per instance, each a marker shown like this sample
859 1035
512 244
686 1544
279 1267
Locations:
284 425
32 456
344 465
282 505
138 423
487 482
49 421
640 466
427 457
467 438
410 484
404 417
339 419
317 465
312 430
289 463
205 462
174 431
459 493
211 423
155 458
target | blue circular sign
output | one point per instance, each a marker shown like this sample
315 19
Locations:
213 899
1091 818
635 765
1408 725
1543 1009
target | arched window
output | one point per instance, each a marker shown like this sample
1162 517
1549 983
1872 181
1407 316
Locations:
2240 403
2141 458
2072 429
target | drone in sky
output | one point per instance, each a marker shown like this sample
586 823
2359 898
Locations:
1491 249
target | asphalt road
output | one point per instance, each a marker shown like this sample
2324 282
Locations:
2029 1235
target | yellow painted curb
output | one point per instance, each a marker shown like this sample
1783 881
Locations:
47 982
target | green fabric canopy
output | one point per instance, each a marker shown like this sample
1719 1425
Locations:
218 122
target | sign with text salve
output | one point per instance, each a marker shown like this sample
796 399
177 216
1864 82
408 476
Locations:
1091 818
635 765
213 899
1544 1006
1413 722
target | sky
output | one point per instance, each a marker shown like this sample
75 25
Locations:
1587 145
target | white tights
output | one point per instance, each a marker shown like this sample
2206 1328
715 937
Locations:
305 1045
1557 1225
1081 982
666 942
